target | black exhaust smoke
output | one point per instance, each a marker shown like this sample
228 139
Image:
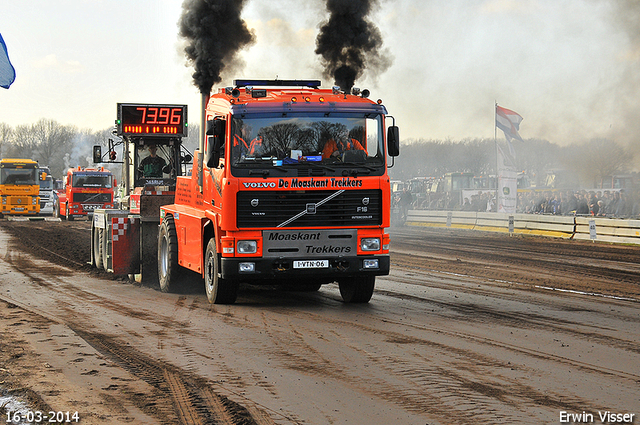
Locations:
349 43
215 33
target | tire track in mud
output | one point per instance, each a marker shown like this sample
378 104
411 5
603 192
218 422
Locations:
455 251
442 385
181 398
426 384
524 320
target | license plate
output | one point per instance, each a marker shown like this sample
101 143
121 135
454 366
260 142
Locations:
311 264
19 209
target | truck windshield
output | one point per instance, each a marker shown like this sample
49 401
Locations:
92 180
299 140
47 183
19 176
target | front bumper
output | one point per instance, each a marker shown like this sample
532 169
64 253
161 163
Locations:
269 270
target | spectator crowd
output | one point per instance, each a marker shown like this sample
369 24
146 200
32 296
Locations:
601 203
597 203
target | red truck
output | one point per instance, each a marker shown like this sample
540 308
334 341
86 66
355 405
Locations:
292 188
84 190
288 186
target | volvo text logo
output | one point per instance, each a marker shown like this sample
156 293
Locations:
259 185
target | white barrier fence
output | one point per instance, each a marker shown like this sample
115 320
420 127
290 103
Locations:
569 227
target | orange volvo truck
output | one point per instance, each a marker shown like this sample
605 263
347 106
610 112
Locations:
289 186
85 190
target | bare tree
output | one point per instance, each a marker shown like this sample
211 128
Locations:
476 156
536 157
52 140
22 142
5 135
597 159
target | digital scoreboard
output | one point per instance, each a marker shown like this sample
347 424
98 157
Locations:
136 119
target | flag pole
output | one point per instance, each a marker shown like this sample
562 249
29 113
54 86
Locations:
495 139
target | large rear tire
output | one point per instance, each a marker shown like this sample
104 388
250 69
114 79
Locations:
357 290
100 258
95 239
104 242
168 267
219 291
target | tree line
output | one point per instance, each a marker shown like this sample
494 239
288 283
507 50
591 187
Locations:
584 165
60 146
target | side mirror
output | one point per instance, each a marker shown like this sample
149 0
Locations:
210 127
393 141
213 152
215 142
97 154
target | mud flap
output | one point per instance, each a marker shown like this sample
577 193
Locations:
123 256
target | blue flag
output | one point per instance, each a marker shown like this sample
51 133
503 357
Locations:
7 73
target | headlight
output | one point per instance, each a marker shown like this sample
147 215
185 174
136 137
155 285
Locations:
247 247
370 244
247 267
370 264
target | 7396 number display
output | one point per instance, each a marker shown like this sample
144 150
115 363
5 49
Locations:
135 119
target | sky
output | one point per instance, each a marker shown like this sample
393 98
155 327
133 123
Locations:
570 68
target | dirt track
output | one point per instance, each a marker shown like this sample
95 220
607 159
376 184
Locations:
464 330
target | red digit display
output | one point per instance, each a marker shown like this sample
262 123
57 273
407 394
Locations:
154 120
164 116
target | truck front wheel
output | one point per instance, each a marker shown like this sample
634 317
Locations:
56 210
168 268
357 289
219 291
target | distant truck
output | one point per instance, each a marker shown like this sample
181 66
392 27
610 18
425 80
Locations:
85 190
46 191
19 187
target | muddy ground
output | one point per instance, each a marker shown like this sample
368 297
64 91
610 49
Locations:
603 268
482 264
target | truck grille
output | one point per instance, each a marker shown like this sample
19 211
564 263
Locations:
348 208
20 200
96 198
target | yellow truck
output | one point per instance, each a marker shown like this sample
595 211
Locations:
19 187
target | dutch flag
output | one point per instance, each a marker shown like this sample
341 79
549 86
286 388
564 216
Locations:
509 122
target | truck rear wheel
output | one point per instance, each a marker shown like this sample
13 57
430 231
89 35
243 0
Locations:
357 289
168 267
98 252
104 238
219 291
94 245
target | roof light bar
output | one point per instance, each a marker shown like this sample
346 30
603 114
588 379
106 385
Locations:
279 83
